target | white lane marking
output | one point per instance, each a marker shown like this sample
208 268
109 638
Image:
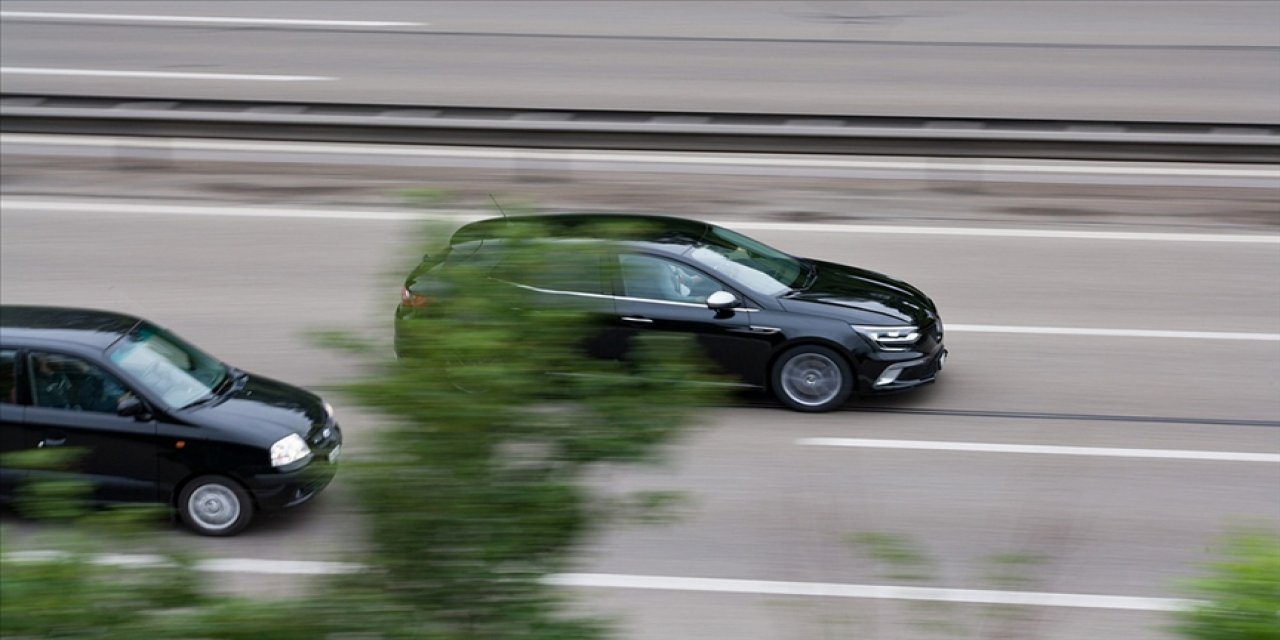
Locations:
459 216
31 204
1009 233
215 565
230 211
158 75
276 567
120 17
670 583
1112 333
985 447
870 591
654 157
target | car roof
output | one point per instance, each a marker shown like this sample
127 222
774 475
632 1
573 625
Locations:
85 327
625 228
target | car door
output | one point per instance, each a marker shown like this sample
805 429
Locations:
571 277
73 404
13 435
659 293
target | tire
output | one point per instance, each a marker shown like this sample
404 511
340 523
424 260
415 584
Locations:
812 378
215 506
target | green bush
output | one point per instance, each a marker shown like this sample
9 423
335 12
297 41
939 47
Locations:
1241 596
475 496
474 490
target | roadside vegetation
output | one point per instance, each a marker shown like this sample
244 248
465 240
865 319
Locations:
474 490
1240 596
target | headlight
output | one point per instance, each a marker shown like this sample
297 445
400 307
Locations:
890 338
328 411
288 450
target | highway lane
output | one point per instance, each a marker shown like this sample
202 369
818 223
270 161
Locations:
766 510
1194 62
314 262
763 506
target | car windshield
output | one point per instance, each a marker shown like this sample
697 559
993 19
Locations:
752 264
177 372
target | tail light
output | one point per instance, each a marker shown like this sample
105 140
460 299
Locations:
413 300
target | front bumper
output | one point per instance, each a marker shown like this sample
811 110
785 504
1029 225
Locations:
284 489
908 374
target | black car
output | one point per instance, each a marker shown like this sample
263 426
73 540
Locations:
812 332
155 419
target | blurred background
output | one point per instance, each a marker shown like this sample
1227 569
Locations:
1088 190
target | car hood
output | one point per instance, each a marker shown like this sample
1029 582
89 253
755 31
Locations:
860 295
270 407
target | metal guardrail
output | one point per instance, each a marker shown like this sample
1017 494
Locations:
706 132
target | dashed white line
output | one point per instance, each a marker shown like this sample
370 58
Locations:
1113 333
214 565
217 20
156 75
228 211
987 447
674 583
869 591
277 567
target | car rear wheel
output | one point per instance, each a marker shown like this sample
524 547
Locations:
215 506
812 378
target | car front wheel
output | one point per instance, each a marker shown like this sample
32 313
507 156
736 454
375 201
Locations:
812 378
215 506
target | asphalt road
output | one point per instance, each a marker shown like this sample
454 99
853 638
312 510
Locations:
762 504
1176 61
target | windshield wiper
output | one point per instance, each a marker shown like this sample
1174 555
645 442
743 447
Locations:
233 375
197 402
808 280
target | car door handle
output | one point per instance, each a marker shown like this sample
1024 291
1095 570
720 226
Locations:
757 330
51 442
637 319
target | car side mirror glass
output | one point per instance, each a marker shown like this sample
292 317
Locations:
131 408
722 300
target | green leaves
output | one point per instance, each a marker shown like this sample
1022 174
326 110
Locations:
475 491
1242 593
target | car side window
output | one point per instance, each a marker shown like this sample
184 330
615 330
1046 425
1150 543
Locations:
66 382
8 376
653 278
575 271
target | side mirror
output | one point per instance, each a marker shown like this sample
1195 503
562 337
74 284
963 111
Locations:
721 300
132 407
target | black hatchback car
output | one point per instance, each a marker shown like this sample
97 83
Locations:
155 419
814 333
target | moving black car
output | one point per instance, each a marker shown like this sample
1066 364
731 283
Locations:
812 332
154 419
